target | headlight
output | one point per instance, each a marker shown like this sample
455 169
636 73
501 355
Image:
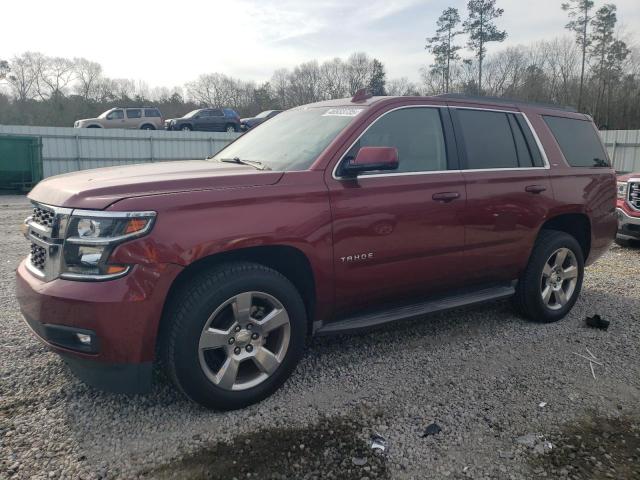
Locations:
91 238
622 190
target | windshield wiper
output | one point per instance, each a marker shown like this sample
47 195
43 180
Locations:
240 161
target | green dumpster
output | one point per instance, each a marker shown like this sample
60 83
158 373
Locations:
20 162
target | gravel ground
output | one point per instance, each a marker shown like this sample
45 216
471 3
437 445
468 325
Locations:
480 374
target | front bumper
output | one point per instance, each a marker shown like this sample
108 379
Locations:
121 317
628 225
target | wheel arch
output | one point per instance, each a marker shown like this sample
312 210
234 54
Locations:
289 261
578 225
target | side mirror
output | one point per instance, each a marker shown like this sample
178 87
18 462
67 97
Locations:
371 159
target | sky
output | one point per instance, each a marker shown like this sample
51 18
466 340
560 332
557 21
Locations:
168 43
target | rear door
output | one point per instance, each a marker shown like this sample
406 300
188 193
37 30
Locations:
399 234
508 191
134 117
218 120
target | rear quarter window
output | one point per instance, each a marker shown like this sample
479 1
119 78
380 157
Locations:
578 141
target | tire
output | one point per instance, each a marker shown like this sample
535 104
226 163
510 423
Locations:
94 126
230 128
147 126
533 283
185 128
205 312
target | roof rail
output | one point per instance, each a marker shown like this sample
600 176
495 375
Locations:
504 100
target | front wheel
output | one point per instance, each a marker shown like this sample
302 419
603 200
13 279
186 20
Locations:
186 128
551 283
234 335
230 128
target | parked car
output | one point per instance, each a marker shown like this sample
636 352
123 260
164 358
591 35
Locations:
628 210
143 118
206 119
249 123
330 218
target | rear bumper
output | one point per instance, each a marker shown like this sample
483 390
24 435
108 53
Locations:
628 225
120 317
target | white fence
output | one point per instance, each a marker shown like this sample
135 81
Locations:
624 149
70 149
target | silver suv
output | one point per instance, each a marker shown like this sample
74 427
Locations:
144 118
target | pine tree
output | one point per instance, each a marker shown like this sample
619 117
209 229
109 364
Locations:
377 80
579 23
442 46
481 30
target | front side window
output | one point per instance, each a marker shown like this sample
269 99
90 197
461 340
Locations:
578 141
293 139
417 135
134 113
115 115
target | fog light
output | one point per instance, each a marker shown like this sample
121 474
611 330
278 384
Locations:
84 338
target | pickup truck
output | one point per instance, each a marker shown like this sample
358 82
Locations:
628 210
329 218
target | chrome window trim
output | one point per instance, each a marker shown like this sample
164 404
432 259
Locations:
543 153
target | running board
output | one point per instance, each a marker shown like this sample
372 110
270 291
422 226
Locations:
380 317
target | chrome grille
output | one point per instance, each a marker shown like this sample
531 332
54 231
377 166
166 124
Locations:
634 195
46 230
38 256
43 217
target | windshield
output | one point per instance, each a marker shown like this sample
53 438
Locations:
293 139
104 114
191 113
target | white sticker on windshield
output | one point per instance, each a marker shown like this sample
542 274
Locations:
342 112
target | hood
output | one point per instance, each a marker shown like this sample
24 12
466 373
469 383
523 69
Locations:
627 176
87 119
100 187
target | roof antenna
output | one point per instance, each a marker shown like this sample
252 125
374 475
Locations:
361 96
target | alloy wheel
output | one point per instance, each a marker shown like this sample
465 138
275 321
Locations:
244 341
559 278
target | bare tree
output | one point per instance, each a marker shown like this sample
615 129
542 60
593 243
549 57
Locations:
55 76
25 70
88 75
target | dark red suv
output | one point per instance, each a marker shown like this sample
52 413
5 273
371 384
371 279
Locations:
329 218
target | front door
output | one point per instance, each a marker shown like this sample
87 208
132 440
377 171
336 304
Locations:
398 235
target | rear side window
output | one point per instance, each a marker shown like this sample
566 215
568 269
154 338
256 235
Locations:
134 113
497 140
488 139
578 141
416 133
152 112
216 113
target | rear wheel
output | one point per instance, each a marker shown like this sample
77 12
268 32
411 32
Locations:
551 283
234 335
147 126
